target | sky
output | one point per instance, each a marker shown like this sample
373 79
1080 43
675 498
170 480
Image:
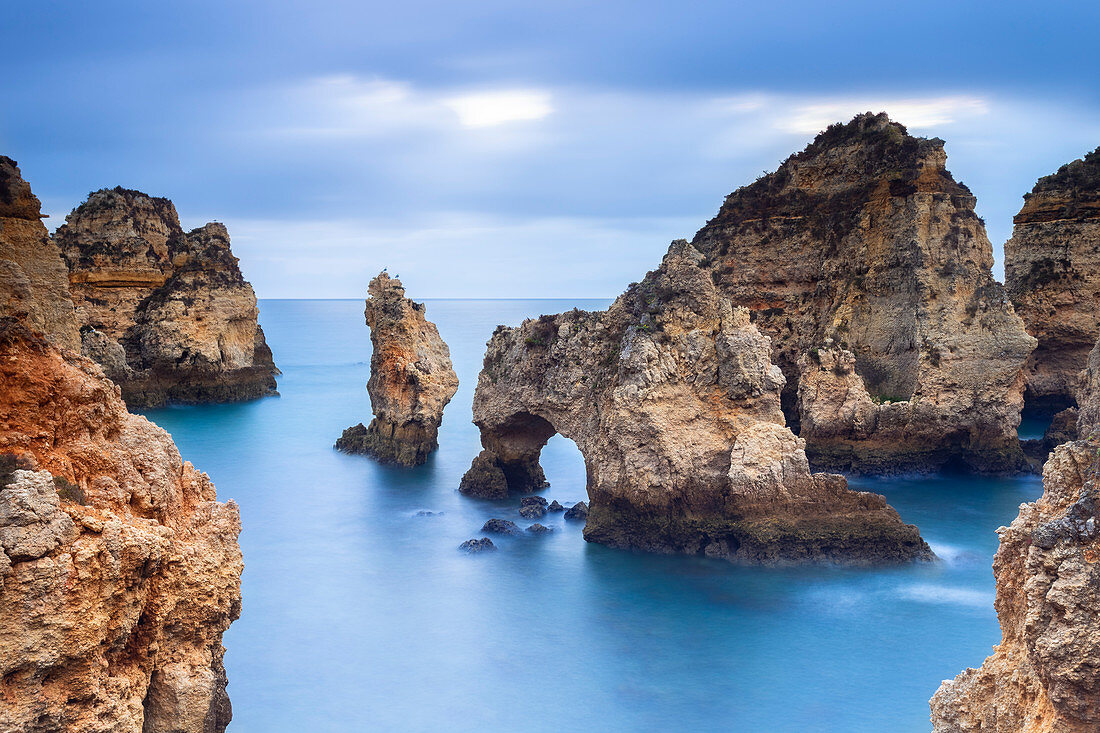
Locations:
515 149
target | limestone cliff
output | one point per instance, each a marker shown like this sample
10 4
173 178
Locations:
1044 676
1052 273
411 379
119 570
865 239
166 313
672 398
34 285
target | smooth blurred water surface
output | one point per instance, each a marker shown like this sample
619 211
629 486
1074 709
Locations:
361 615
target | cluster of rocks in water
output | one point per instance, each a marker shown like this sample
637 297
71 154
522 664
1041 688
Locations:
531 507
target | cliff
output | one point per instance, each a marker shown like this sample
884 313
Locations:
411 379
864 243
166 313
1052 273
672 398
1044 676
34 284
119 570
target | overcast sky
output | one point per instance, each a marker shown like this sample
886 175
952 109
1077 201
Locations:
515 149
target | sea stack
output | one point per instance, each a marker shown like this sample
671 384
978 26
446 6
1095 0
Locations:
1044 676
1052 273
674 402
864 262
119 569
166 313
411 379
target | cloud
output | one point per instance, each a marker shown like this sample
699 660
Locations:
489 109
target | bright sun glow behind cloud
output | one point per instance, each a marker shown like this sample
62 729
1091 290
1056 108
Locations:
488 109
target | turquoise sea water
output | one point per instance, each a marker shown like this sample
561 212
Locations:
361 615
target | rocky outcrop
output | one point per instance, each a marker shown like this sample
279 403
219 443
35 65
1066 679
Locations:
1088 395
411 379
672 398
119 569
166 313
1044 676
1052 273
34 285
864 246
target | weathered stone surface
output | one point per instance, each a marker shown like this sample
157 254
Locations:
866 239
172 305
1052 274
537 528
1088 395
577 511
475 545
34 286
1044 676
555 507
500 526
672 399
117 591
411 379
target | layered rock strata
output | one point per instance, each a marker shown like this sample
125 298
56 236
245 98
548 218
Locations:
1052 273
119 569
672 398
1044 676
411 379
166 313
863 245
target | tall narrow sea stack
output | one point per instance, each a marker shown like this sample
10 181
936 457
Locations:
1044 676
674 402
119 569
863 260
166 313
411 379
1052 272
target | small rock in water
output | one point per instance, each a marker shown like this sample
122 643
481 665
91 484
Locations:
555 507
532 501
532 511
500 526
477 545
539 528
577 511
426 513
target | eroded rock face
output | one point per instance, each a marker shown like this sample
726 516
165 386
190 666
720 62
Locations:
34 285
672 398
411 379
1044 676
1052 273
119 569
865 239
166 313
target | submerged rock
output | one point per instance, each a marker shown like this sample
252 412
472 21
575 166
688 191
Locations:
555 507
411 379
577 511
532 511
1052 273
865 241
475 545
119 569
166 313
1045 673
537 528
672 399
500 526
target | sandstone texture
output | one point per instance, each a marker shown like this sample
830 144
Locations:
674 402
34 284
864 247
1052 273
166 313
119 569
411 379
1044 676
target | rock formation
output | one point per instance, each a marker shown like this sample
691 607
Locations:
863 249
411 379
672 398
1052 273
119 570
1044 676
166 313
34 285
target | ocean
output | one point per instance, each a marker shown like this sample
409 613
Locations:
360 613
